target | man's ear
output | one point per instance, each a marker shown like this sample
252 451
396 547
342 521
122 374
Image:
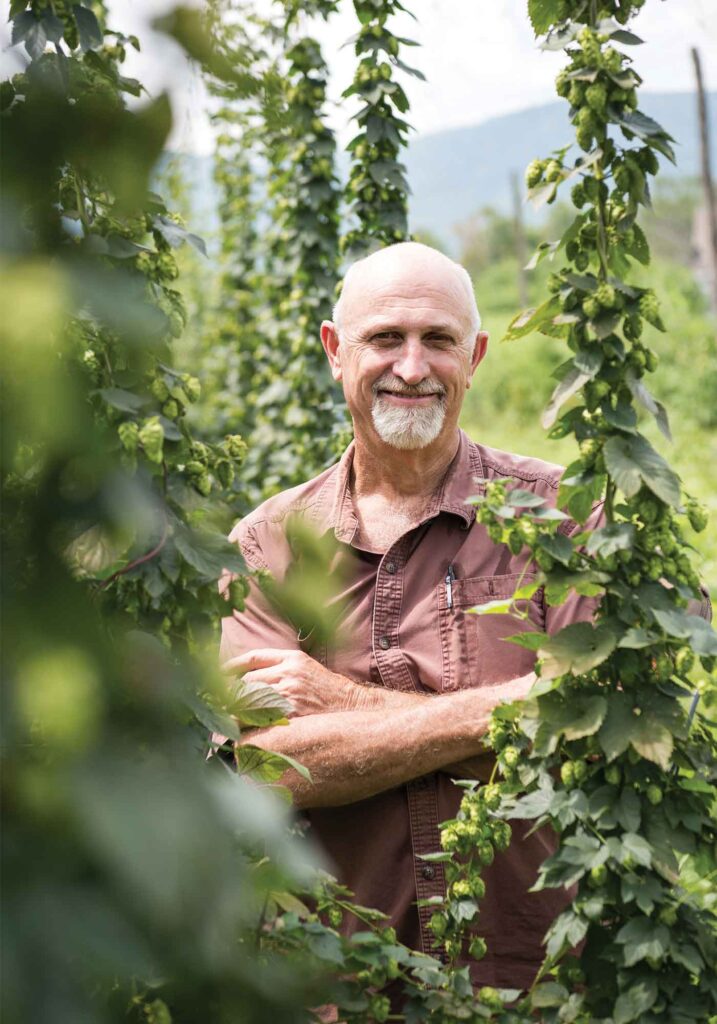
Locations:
479 350
332 348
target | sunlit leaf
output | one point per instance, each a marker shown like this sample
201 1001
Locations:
632 462
576 648
531 320
256 704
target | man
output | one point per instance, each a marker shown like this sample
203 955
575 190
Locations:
387 717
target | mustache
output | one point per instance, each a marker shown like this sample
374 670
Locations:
388 382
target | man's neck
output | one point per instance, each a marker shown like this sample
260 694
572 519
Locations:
398 475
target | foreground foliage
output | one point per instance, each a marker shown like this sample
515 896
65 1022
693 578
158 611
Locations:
125 861
150 883
141 881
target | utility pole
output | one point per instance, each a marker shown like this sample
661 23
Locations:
707 174
519 236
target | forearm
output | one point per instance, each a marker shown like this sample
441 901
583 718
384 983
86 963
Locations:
479 766
353 756
371 697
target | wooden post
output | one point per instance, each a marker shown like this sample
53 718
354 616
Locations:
519 236
707 185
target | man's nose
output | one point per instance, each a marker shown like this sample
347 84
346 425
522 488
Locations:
411 364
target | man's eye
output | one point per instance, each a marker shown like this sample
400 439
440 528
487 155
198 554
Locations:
385 336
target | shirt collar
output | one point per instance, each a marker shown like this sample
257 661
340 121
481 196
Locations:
336 510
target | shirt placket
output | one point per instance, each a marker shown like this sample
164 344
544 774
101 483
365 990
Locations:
422 793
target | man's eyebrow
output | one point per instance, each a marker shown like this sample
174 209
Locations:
443 328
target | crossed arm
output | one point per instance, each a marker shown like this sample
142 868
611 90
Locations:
357 739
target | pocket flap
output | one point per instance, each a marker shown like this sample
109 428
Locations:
481 589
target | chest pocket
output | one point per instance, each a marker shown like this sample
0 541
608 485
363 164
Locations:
474 649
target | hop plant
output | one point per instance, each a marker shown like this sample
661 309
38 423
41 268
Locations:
590 46
534 173
560 748
697 516
596 97
129 435
612 60
605 295
649 307
151 437
577 194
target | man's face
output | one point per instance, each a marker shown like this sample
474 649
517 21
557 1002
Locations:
405 357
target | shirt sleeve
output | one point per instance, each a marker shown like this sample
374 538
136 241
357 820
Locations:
257 624
701 606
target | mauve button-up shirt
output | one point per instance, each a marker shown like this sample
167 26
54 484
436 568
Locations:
406 627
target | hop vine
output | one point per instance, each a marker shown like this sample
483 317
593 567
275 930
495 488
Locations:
377 189
612 748
297 415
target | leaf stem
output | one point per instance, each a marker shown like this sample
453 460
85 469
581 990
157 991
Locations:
141 560
80 196
260 923
610 501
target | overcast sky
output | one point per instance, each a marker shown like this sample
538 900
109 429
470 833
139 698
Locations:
479 56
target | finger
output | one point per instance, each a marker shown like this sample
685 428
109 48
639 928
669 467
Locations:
284 690
261 657
265 676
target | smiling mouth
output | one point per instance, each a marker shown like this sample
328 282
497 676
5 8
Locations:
409 396
399 398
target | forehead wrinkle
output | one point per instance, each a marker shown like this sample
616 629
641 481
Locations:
448 309
409 270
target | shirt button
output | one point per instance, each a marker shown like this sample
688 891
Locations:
384 643
390 568
428 871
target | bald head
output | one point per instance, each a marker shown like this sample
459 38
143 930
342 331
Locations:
411 267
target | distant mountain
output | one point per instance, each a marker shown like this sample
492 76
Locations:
454 173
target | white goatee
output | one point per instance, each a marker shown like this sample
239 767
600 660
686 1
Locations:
401 426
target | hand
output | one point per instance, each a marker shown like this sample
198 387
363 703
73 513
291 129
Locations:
480 766
515 689
308 685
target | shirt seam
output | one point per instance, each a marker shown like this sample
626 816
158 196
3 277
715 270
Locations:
251 550
279 517
522 474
